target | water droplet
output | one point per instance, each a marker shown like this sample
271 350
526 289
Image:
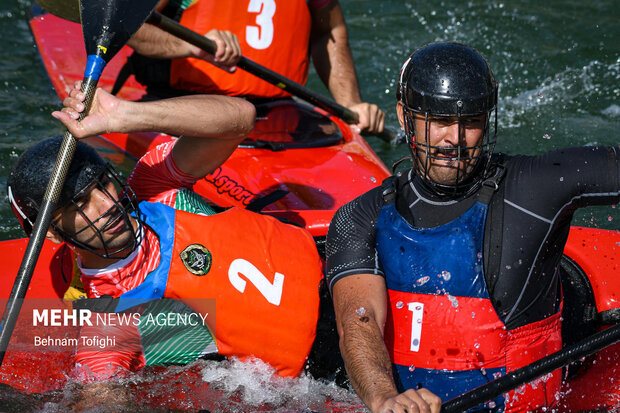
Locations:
477 345
399 305
561 179
411 368
360 311
473 315
446 275
415 342
373 179
610 218
453 300
491 405
423 280
483 371
546 136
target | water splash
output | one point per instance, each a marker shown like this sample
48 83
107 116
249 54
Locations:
223 386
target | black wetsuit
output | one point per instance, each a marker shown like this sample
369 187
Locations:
526 228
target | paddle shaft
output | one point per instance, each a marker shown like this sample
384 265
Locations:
190 36
530 372
42 223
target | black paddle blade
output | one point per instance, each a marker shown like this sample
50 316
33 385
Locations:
108 24
66 9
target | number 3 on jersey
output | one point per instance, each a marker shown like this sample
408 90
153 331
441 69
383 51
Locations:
271 291
260 36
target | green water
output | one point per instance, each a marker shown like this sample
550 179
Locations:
558 64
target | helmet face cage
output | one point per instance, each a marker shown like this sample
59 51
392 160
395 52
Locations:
28 180
120 210
478 155
437 82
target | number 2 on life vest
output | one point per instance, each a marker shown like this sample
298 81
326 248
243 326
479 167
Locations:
260 37
271 291
416 324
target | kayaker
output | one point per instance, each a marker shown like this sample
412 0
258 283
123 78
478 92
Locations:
446 276
278 34
234 265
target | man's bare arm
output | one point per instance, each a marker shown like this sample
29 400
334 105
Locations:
151 41
211 126
333 61
360 302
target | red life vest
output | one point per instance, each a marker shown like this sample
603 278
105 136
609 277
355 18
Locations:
273 33
256 278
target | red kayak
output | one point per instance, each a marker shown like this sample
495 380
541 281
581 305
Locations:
321 165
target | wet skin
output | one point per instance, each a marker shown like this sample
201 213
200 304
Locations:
444 143
97 206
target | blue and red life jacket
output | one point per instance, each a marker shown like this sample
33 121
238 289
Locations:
442 331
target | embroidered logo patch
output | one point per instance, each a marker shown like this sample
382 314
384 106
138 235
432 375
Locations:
197 259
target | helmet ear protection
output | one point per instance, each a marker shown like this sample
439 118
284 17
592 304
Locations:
27 183
449 80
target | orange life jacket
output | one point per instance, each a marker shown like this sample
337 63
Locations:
255 276
273 33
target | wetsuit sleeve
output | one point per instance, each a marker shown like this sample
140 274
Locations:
541 196
157 178
565 179
350 245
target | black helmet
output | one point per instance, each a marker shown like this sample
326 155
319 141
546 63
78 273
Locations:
28 180
449 80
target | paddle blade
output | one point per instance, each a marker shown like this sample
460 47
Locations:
66 9
108 24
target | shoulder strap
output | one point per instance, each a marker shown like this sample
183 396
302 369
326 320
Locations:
491 184
494 196
389 189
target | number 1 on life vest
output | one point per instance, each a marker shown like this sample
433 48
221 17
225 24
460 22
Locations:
271 291
416 324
